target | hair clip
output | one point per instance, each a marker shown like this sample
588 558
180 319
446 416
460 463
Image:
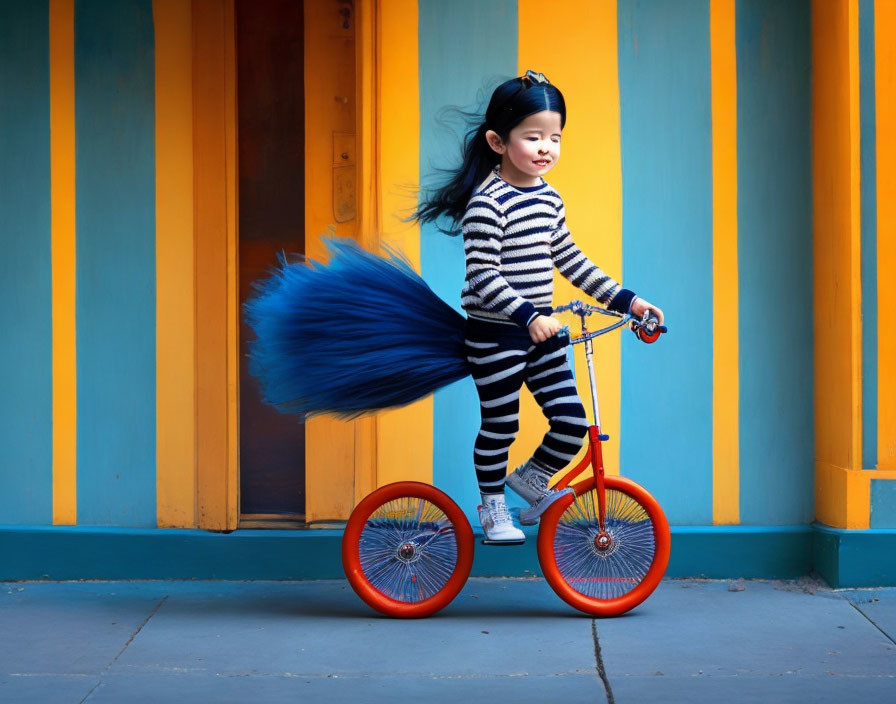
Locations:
536 78
526 82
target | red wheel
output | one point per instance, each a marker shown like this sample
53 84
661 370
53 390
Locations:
604 573
407 549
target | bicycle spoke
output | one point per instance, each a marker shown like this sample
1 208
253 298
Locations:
408 521
604 573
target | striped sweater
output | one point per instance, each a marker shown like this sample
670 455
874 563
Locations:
513 239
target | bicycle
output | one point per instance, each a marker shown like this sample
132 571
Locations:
407 550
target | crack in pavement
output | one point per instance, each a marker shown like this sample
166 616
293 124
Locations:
600 664
125 647
871 621
92 690
136 633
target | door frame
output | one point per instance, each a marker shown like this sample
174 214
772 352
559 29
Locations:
216 203
215 247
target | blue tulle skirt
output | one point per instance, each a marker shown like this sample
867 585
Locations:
356 335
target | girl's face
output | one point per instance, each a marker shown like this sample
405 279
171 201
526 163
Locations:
531 150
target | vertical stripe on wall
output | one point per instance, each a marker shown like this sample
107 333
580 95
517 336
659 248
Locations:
664 85
175 309
62 176
841 493
473 62
404 435
25 266
114 122
725 371
774 131
868 150
589 177
885 133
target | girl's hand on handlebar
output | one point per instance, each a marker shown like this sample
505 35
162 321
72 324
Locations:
543 328
640 307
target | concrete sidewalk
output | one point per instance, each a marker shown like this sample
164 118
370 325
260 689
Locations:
507 640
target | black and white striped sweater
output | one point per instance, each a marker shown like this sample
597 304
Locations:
513 239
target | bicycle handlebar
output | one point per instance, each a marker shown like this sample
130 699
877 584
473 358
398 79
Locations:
647 328
583 309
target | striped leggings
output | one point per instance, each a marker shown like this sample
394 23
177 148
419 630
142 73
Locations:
503 358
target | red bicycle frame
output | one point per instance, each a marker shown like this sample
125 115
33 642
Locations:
594 456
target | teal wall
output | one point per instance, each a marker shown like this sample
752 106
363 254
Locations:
460 68
666 136
868 183
774 220
666 140
115 307
26 375
666 123
883 503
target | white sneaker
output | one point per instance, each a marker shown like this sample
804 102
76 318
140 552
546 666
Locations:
530 481
496 521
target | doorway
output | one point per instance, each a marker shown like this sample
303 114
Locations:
271 175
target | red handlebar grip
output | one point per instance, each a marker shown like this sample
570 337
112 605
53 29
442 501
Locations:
649 338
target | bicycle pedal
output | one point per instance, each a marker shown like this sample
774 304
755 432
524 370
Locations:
486 541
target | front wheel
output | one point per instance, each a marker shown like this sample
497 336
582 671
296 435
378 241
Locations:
604 573
407 549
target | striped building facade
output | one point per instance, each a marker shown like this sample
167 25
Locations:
733 161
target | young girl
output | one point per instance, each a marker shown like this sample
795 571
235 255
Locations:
514 230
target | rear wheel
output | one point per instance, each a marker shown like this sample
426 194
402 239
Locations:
604 573
407 549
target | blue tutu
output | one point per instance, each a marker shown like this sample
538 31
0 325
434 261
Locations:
353 336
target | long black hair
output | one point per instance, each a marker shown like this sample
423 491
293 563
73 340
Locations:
511 103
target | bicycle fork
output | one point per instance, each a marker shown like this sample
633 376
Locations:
603 540
594 457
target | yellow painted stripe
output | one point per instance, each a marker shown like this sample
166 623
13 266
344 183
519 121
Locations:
842 496
828 53
834 231
175 325
837 241
404 436
885 84
726 345
585 67
62 199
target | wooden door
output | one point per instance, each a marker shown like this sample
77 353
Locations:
271 168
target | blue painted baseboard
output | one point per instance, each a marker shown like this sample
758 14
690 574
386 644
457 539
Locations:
751 552
855 558
63 553
843 558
